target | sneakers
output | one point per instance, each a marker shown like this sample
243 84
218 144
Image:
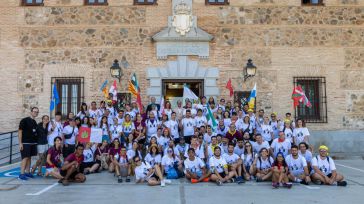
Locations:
259 179
342 183
275 184
194 180
127 179
206 180
232 180
65 182
163 183
29 175
120 180
304 182
219 182
22 177
167 181
287 185
240 180
317 182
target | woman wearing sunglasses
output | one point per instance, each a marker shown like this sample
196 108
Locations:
152 175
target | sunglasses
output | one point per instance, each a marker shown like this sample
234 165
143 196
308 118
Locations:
136 160
169 151
247 145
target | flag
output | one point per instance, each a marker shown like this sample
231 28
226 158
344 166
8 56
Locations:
135 90
55 98
253 95
299 96
162 106
113 90
230 87
104 89
84 135
210 116
188 93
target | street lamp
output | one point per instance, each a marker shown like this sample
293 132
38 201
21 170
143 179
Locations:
249 70
115 70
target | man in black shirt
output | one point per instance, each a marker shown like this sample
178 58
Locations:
27 142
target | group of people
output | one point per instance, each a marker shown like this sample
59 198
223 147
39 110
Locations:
203 141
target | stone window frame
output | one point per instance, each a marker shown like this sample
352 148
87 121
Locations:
136 2
320 3
226 2
97 3
34 3
318 113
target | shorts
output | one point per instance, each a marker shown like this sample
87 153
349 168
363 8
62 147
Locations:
222 174
71 177
28 151
42 148
49 170
329 175
152 176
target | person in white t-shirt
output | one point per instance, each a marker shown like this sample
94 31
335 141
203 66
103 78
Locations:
288 130
263 165
70 132
122 165
153 157
115 130
151 125
234 163
298 171
188 126
248 158
55 128
219 168
152 175
259 144
239 148
200 118
301 133
303 147
195 168
172 125
280 144
207 136
324 170
170 160
267 130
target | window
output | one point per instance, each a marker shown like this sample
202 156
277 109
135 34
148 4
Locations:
145 2
95 2
32 2
216 2
313 2
315 90
70 91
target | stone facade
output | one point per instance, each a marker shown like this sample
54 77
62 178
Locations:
285 40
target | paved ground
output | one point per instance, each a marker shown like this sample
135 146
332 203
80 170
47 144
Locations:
103 188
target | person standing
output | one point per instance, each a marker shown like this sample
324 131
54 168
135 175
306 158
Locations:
42 145
27 135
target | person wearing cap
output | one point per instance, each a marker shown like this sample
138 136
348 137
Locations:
287 130
324 170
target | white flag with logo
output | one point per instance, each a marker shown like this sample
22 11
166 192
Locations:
188 93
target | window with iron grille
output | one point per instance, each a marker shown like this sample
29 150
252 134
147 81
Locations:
216 2
71 94
95 2
313 2
145 2
315 90
32 2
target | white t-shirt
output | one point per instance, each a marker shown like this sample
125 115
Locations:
239 151
283 147
132 115
68 130
93 113
168 162
248 160
188 126
325 166
199 152
200 121
307 156
230 159
227 122
267 132
257 147
153 160
142 171
88 154
182 148
288 133
265 164
222 130
218 164
300 133
173 127
162 141
128 127
207 137
56 132
296 166
247 127
275 128
152 127
115 131
131 154
195 165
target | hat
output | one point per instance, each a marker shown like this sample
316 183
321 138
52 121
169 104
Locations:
323 147
274 113
250 110
287 121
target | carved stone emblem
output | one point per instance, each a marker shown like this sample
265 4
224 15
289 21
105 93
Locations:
182 20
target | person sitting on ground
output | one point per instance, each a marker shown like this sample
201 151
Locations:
195 168
247 159
263 165
280 171
152 175
298 171
71 170
153 157
102 155
234 163
303 151
324 170
112 152
53 163
219 168
171 164
89 164
121 165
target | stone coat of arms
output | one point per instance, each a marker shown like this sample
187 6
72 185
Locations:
182 20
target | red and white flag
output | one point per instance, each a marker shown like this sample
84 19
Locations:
299 96
114 91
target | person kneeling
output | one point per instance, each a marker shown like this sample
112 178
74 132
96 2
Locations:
324 170
195 168
219 168
71 170
280 171
144 172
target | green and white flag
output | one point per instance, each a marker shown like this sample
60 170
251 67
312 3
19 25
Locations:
209 117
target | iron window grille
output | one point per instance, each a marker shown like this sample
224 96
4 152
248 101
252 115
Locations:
315 90
145 2
32 2
96 2
313 2
217 2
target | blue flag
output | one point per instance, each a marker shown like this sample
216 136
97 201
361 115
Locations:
55 98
